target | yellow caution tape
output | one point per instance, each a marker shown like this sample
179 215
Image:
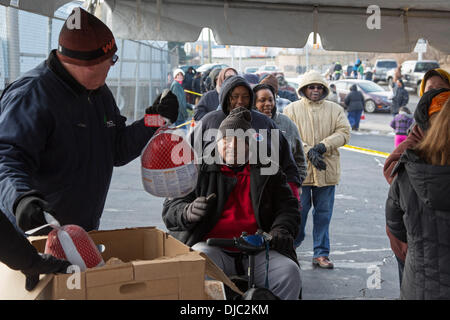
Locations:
183 124
192 92
366 151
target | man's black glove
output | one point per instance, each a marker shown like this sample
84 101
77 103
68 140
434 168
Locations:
320 148
195 211
316 159
44 264
166 105
30 212
282 240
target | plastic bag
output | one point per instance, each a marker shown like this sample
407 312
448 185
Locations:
168 165
73 243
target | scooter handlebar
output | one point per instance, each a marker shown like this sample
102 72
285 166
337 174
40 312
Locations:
219 242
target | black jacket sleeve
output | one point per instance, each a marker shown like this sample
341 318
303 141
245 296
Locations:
15 250
172 213
130 140
394 213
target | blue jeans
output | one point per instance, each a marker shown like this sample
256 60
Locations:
354 117
322 198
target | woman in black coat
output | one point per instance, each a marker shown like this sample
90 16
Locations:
418 209
355 106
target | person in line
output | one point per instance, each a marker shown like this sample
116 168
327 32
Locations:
233 196
61 132
196 86
19 254
237 92
400 99
323 128
355 106
433 79
210 100
265 98
421 118
177 89
401 124
418 209
187 84
272 81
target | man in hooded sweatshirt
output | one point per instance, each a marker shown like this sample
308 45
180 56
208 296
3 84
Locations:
323 128
237 92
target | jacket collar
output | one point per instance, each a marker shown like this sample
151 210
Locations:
56 66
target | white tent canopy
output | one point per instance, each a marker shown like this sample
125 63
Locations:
341 24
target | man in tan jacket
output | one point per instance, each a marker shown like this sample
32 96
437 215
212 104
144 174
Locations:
323 128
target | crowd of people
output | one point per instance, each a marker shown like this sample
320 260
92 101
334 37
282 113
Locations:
60 156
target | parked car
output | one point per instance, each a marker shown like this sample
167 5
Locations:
375 97
413 72
268 68
208 66
186 67
381 67
251 69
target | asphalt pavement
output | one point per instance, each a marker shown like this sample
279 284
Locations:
365 267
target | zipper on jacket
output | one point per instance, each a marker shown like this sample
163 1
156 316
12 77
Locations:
89 97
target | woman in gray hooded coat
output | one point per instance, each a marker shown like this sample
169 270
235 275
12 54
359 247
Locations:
265 102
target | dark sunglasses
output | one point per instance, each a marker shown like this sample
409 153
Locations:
114 59
312 87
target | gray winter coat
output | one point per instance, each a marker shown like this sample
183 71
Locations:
418 212
291 133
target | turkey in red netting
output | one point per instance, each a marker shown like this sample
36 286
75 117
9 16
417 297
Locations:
168 165
166 150
73 243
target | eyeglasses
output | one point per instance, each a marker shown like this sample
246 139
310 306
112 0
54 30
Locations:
312 87
114 59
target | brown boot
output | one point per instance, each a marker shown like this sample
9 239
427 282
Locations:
323 262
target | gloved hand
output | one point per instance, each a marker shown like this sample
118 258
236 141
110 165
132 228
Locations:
320 148
281 239
316 159
195 211
166 105
30 212
44 264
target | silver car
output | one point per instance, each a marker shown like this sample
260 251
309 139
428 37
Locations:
381 67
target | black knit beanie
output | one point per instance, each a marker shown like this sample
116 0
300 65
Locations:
239 118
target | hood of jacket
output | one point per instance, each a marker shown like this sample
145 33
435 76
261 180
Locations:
228 86
431 183
311 77
421 113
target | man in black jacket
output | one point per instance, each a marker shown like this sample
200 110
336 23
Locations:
61 132
234 196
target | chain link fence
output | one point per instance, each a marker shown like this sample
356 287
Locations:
136 79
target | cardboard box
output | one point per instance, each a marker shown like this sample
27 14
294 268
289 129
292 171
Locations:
155 266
